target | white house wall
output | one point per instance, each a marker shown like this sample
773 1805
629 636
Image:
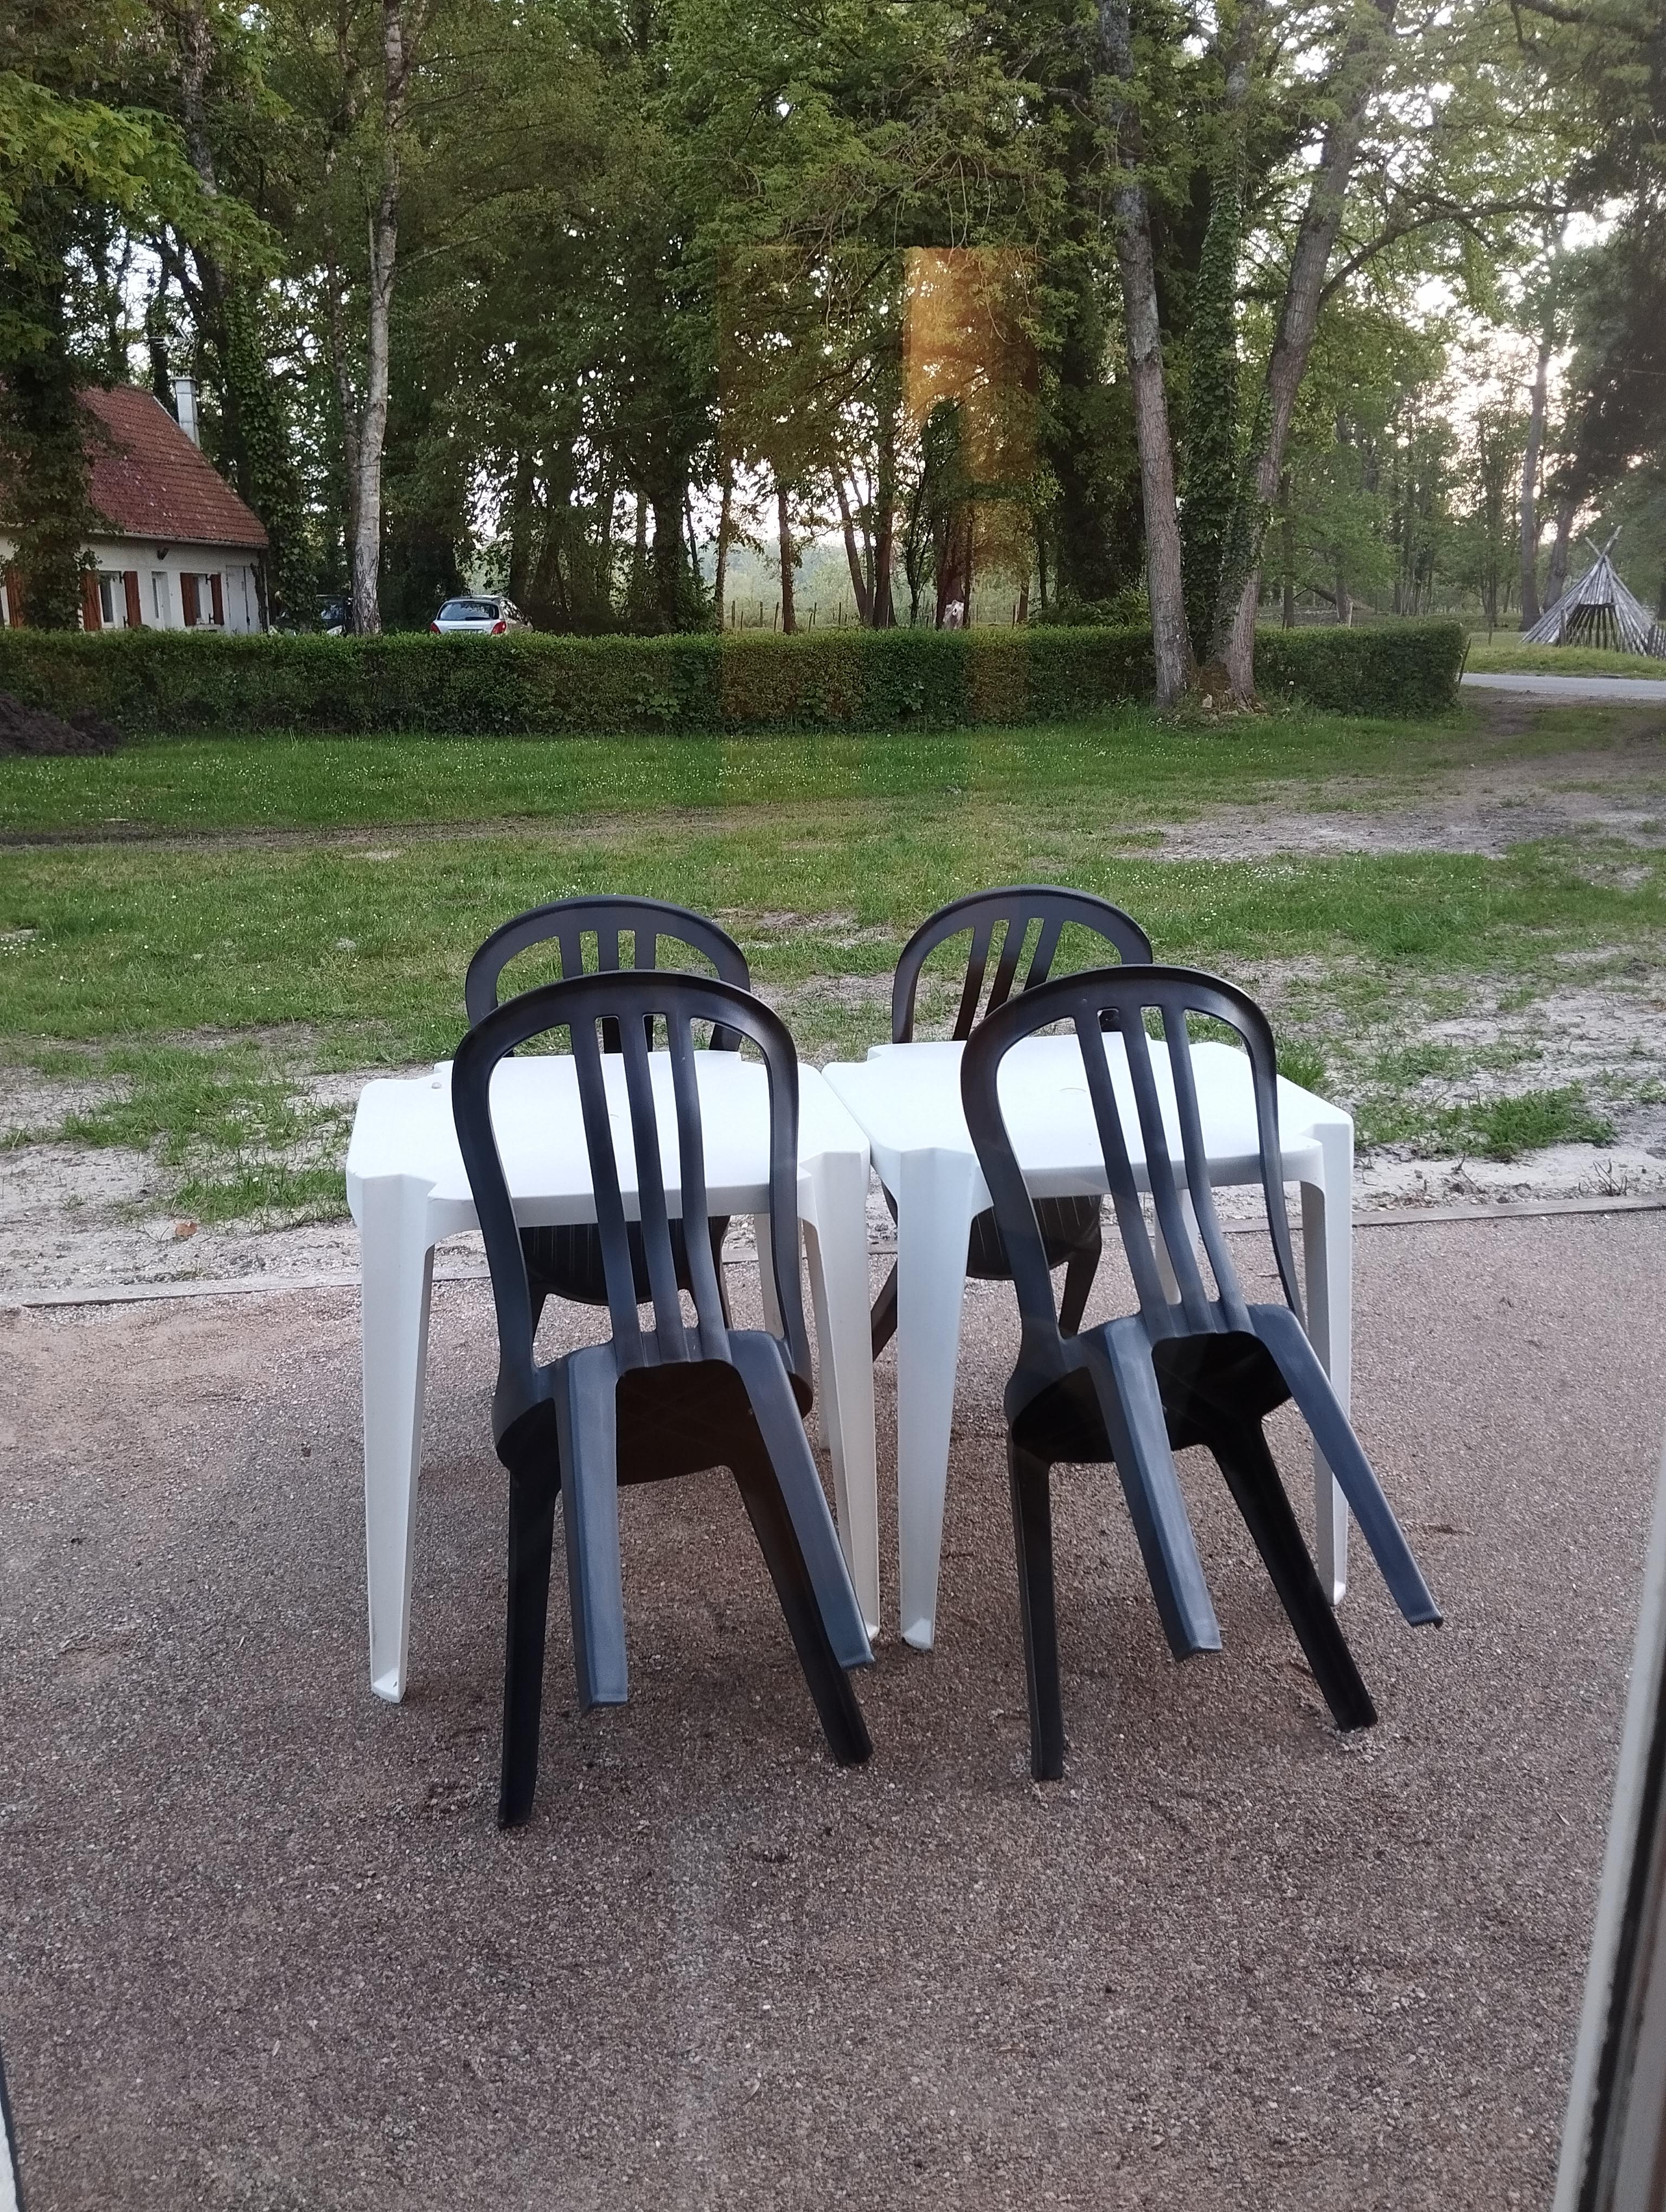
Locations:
161 598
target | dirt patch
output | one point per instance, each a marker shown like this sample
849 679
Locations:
1484 808
32 730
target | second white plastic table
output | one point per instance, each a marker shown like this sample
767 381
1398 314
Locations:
906 1099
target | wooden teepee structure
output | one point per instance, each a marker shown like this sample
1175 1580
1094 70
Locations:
1598 610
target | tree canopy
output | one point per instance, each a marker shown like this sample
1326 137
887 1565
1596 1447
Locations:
617 303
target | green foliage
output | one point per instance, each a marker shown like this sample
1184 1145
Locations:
1211 444
1302 1064
1390 668
1504 1128
152 682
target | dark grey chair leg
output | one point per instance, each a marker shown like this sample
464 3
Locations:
885 1312
830 1692
781 1431
1252 1476
533 1494
1080 1271
1032 1534
587 1411
1125 1384
1310 1385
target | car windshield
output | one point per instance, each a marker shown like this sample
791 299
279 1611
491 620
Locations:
469 611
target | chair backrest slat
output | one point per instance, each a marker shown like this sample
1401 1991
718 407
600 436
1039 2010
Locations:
1198 1181
617 1272
1116 1000
1119 1167
977 962
1014 910
1163 1181
653 1215
692 1174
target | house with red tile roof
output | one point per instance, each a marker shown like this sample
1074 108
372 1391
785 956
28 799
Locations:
176 547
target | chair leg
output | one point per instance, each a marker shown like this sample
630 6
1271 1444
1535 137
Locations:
719 1230
830 1692
1252 1476
1125 1383
587 1413
1298 1362
1032 1534
1080 1271
531 1539
885 1312
792 1467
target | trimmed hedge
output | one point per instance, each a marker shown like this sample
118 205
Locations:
162 683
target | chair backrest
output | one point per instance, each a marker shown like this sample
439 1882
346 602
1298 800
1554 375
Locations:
1013 911
633 1002
1105 1005
609 919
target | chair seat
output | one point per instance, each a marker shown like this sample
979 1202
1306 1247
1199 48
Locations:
566 1262
1203 1380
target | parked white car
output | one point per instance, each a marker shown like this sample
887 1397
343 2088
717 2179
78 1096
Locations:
484 614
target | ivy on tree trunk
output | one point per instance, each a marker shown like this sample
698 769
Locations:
1131 214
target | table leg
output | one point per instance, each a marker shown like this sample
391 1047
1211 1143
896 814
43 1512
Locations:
766 1274
396 1259
835 1244
1328 1250
934 1220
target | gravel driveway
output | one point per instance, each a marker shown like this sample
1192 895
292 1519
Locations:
262 1949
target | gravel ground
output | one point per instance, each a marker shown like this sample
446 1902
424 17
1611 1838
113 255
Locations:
261 1947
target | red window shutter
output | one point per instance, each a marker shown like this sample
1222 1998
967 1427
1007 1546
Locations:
188 606
219 602
130 585
14 595
90 617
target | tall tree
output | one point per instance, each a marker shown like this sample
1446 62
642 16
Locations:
1142 323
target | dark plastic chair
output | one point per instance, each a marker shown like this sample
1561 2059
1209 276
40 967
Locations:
664 1400
1069 1226
567 1262
1185 1369
10 2177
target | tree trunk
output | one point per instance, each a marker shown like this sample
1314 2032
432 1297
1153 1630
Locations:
883 613
1556 579
1287 551
401 25
1344 601
790 620
858 580
1535 434
1210 435
1233 633
1171 640
720 570
522 513
669 558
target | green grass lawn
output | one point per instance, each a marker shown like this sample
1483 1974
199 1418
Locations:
196 784
270 910
1503 654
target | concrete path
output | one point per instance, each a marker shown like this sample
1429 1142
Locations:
1613 690
262 1947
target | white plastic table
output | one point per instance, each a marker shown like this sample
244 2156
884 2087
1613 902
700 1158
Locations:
906 1099
407 1190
